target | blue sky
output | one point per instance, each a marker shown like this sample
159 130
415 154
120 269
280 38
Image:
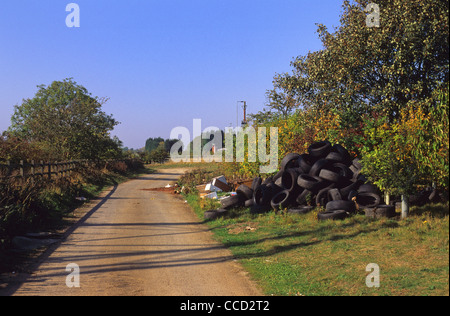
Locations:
161 63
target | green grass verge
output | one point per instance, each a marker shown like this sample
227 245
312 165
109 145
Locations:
298 255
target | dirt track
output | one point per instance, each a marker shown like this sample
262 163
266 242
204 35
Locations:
135 242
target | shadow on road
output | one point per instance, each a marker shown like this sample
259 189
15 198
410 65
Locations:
15 283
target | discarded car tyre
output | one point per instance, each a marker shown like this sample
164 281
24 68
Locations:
290 161
214 214
318 166
343 151
245 190
300 210
322 196
289 179
320 149
380 211
368 200
256 183
342 170
357 163
352 195
334 195
334 215
303 197
335 157
348 206
262 196
345 191
368 188
233 201
281 200
308 182
249 203
329 175
304 164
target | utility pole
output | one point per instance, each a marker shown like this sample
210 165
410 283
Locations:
244 121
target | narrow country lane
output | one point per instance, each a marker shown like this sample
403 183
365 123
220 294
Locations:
141 243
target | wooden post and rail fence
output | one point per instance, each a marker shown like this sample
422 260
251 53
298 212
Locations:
42 170
26 170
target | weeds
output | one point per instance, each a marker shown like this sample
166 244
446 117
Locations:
41 204
290 254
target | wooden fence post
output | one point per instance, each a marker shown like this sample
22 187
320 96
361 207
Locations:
8 164
32 171
21 171
42 168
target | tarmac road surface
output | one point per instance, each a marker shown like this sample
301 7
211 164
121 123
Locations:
135 242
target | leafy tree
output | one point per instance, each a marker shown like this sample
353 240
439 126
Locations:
153 143
13 149
66 121
363 68
160 154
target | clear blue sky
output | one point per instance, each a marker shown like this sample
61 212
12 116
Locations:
162 63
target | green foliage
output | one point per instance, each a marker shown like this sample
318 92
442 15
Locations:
430 141
280 251
160 154
65 121
412 151
381 92
387 159
14 149
365 68
29 205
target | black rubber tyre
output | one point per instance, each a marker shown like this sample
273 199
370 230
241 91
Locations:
259 209
352 194
322 196
304 163
249 203
246 191
233 201
368 200
281 200
334 215
257 181
308 182
380 211
268 180
342 169
278 175
300 210
210 215
289 179
320 149
334 195
263 195
335 157
318 166
343 151
303 196
347 206
345 191
357 163
368 188
214 214
290 161
330 175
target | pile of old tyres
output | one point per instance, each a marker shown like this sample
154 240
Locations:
326 176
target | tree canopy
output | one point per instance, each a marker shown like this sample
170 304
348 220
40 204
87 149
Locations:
67 122
361 69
